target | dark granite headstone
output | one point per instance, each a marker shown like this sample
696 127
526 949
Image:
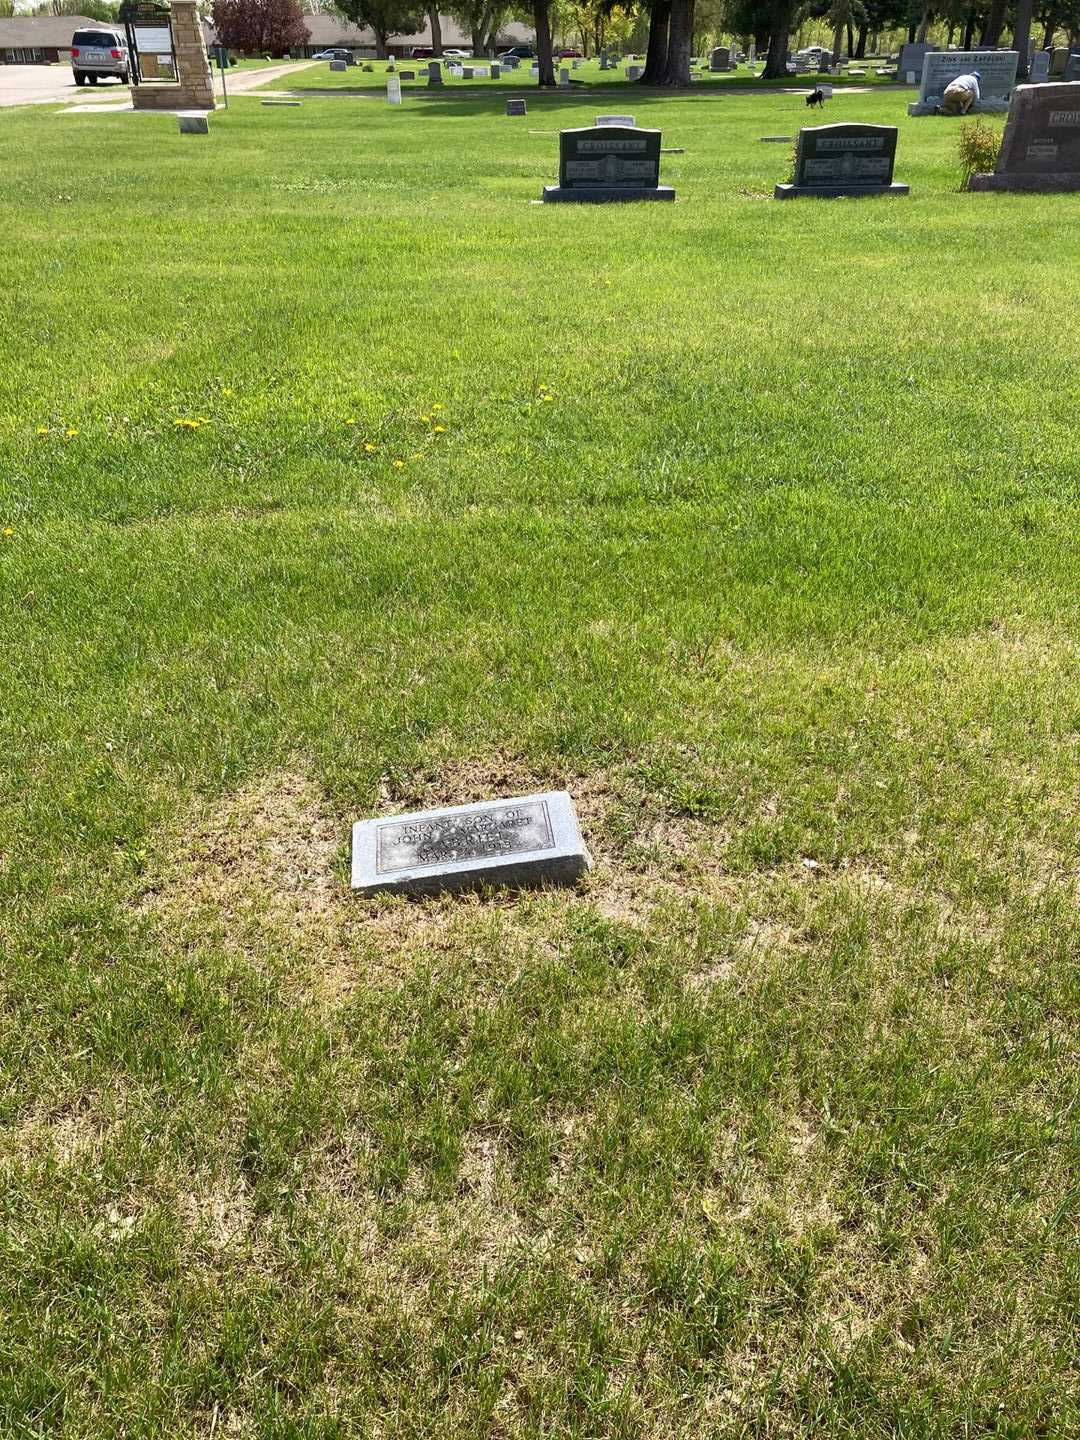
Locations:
434 73
720 58
516 107
609 162
836 160
910 62
1040 149
407 75
1072 68
1040 67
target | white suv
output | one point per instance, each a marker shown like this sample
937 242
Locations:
99 52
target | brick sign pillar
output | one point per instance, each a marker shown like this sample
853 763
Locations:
195 90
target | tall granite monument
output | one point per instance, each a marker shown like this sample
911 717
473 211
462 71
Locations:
997 72
1040 149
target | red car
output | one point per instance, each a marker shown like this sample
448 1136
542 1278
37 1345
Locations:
567 54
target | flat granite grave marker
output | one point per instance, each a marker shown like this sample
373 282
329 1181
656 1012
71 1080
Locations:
609 162
1040 149
627 121
338 66
516 107
528 841
997 77
834 160
193 125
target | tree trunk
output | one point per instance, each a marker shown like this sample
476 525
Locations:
380 44
860 44
542 22
924 24
911 33
489 24
1050 32
994 23
680 43
656 53
969 31
436 30
837 44
779 33
1022 36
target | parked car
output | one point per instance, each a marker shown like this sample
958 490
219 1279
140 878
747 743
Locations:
336 52
97 53
519 52
457 55
568 53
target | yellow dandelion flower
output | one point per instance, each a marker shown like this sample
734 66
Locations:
370 448
42 429
548 397
71 431
8 530
439 430
399 464
418 456
438 407
227 390
350 421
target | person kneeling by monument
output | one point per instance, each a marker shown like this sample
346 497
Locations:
960 94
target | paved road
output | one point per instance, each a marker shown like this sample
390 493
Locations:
55 84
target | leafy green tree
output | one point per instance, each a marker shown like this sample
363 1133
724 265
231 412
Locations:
385 17
483 19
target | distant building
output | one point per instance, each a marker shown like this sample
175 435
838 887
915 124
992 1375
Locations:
328 31
45 39
40 39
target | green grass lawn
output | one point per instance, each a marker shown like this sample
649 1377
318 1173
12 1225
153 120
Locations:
755 525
